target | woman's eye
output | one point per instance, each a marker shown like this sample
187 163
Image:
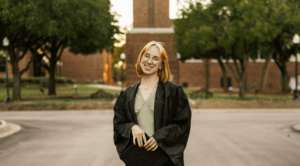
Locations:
156 59
146 55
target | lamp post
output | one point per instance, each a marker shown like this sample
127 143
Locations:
122 56
296 40
5 44
178 67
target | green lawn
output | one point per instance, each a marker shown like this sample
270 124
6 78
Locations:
66 94
218 95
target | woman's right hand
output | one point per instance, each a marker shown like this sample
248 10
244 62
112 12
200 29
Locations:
138 134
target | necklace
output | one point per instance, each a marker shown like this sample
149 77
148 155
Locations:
145 90
146 87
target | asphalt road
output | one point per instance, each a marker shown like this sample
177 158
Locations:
217 139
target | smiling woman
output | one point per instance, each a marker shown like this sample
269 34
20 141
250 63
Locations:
153 50
153 114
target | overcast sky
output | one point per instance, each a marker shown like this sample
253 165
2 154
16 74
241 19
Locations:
125 9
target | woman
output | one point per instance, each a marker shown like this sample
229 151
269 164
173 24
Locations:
153 106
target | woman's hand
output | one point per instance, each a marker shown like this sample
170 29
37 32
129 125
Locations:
151 144
138 134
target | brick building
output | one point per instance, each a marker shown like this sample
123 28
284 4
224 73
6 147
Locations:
91 67
152 22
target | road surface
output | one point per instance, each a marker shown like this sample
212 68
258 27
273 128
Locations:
259 138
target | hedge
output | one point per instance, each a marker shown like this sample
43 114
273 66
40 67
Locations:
40 80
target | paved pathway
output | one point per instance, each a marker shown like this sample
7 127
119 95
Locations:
224 137
104 86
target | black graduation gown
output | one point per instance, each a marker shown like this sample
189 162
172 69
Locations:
172 119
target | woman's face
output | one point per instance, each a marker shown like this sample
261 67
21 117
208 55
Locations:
150 61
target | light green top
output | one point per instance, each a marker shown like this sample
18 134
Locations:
144 110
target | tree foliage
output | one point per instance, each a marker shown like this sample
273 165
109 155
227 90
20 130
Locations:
83 26
238 30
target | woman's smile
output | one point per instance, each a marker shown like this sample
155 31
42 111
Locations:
151 62
148 66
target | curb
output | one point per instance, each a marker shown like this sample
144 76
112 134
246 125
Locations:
296 128
110 105
7 129
3 126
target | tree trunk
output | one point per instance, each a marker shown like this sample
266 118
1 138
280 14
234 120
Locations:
224 72
284 75
265 71
52 88
207 73
242 83
285 79
246 82
16 96
17 82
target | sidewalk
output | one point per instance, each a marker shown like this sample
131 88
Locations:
7 129
105 86
296 127
110 105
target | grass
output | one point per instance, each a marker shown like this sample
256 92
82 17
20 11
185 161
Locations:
64 94
67 94
219 95
234 97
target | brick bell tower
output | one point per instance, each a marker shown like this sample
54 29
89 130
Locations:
150 22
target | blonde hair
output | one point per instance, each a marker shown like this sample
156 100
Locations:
164 73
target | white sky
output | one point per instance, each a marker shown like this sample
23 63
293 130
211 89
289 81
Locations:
125 9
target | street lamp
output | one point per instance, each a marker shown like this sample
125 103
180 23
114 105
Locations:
5 44
122 56
296 40
178 67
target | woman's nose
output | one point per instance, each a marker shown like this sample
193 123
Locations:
149 61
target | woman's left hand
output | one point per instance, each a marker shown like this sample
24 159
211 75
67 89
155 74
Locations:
151 144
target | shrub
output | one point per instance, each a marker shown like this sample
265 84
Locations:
250 88
100 82
27 80
87 81
2 79
72 81
37 79
10 82
61 80
44 82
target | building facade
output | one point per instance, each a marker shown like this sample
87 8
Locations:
152 22
82 68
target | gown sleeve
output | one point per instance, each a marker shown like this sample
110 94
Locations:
173 137
122 126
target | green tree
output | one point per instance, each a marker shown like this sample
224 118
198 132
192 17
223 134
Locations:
232 29
286 16
194 35
84 26
14 21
